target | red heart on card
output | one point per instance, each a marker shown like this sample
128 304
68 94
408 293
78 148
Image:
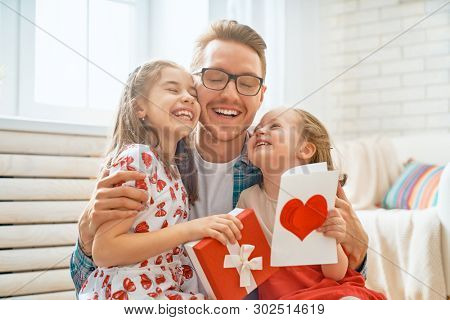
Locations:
301 219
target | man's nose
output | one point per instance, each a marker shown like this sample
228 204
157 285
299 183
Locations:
230 89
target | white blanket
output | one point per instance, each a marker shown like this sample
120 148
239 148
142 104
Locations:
372 167
404 256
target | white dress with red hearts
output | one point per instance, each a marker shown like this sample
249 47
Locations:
169 275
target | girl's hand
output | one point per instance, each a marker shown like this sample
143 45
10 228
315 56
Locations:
334 226
223 227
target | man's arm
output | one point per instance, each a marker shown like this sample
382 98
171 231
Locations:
81 267
111 200
363 267
356 242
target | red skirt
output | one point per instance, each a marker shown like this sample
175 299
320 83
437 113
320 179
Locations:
308 283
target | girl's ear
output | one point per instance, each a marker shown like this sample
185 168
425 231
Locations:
139 108
306 151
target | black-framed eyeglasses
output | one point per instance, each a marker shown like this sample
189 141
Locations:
216 79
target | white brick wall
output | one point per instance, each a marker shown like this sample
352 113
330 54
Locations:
405 87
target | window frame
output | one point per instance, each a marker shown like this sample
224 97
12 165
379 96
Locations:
27 107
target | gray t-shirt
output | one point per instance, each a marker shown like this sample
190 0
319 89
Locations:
215 187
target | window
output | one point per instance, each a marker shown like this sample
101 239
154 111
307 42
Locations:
67 60
73 62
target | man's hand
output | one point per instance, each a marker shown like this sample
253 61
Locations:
356 242
110 201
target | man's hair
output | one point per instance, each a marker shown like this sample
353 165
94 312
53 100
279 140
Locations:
230 30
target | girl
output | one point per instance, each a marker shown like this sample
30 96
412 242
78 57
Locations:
286 138
142 257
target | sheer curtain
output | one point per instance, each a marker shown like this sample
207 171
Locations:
135 31
175 41
267 17
174 27
290 29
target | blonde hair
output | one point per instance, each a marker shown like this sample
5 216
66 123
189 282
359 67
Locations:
129 129
230 30
314 131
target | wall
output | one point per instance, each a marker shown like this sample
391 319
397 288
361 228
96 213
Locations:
405 87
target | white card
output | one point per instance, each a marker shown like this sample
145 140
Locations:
302 183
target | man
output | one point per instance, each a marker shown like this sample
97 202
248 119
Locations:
228 57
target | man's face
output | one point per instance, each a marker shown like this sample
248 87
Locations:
226 113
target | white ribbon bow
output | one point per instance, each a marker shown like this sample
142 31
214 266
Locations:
241 263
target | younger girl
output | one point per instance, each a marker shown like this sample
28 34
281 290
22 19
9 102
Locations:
286 138
142 257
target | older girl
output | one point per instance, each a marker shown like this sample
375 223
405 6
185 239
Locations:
142 257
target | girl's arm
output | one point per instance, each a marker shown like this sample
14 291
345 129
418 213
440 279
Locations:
335 227
337 270
113 246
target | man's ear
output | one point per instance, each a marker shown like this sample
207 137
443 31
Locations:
306 150
263 91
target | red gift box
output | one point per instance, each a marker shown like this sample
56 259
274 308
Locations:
247 267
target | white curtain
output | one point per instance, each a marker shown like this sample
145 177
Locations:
290 29
267 17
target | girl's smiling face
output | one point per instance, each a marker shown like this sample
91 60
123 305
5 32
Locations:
172 105
277 144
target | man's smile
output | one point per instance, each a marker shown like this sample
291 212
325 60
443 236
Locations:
224 112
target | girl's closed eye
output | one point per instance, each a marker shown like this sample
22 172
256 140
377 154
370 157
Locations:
275 126
174 90
193 94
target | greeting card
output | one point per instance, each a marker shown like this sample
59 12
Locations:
306 195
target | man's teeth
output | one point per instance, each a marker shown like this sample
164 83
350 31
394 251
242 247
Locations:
262 143
184 113
227 112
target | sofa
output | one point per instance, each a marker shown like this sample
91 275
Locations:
408 255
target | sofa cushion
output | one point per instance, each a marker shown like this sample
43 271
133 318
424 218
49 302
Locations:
416 188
